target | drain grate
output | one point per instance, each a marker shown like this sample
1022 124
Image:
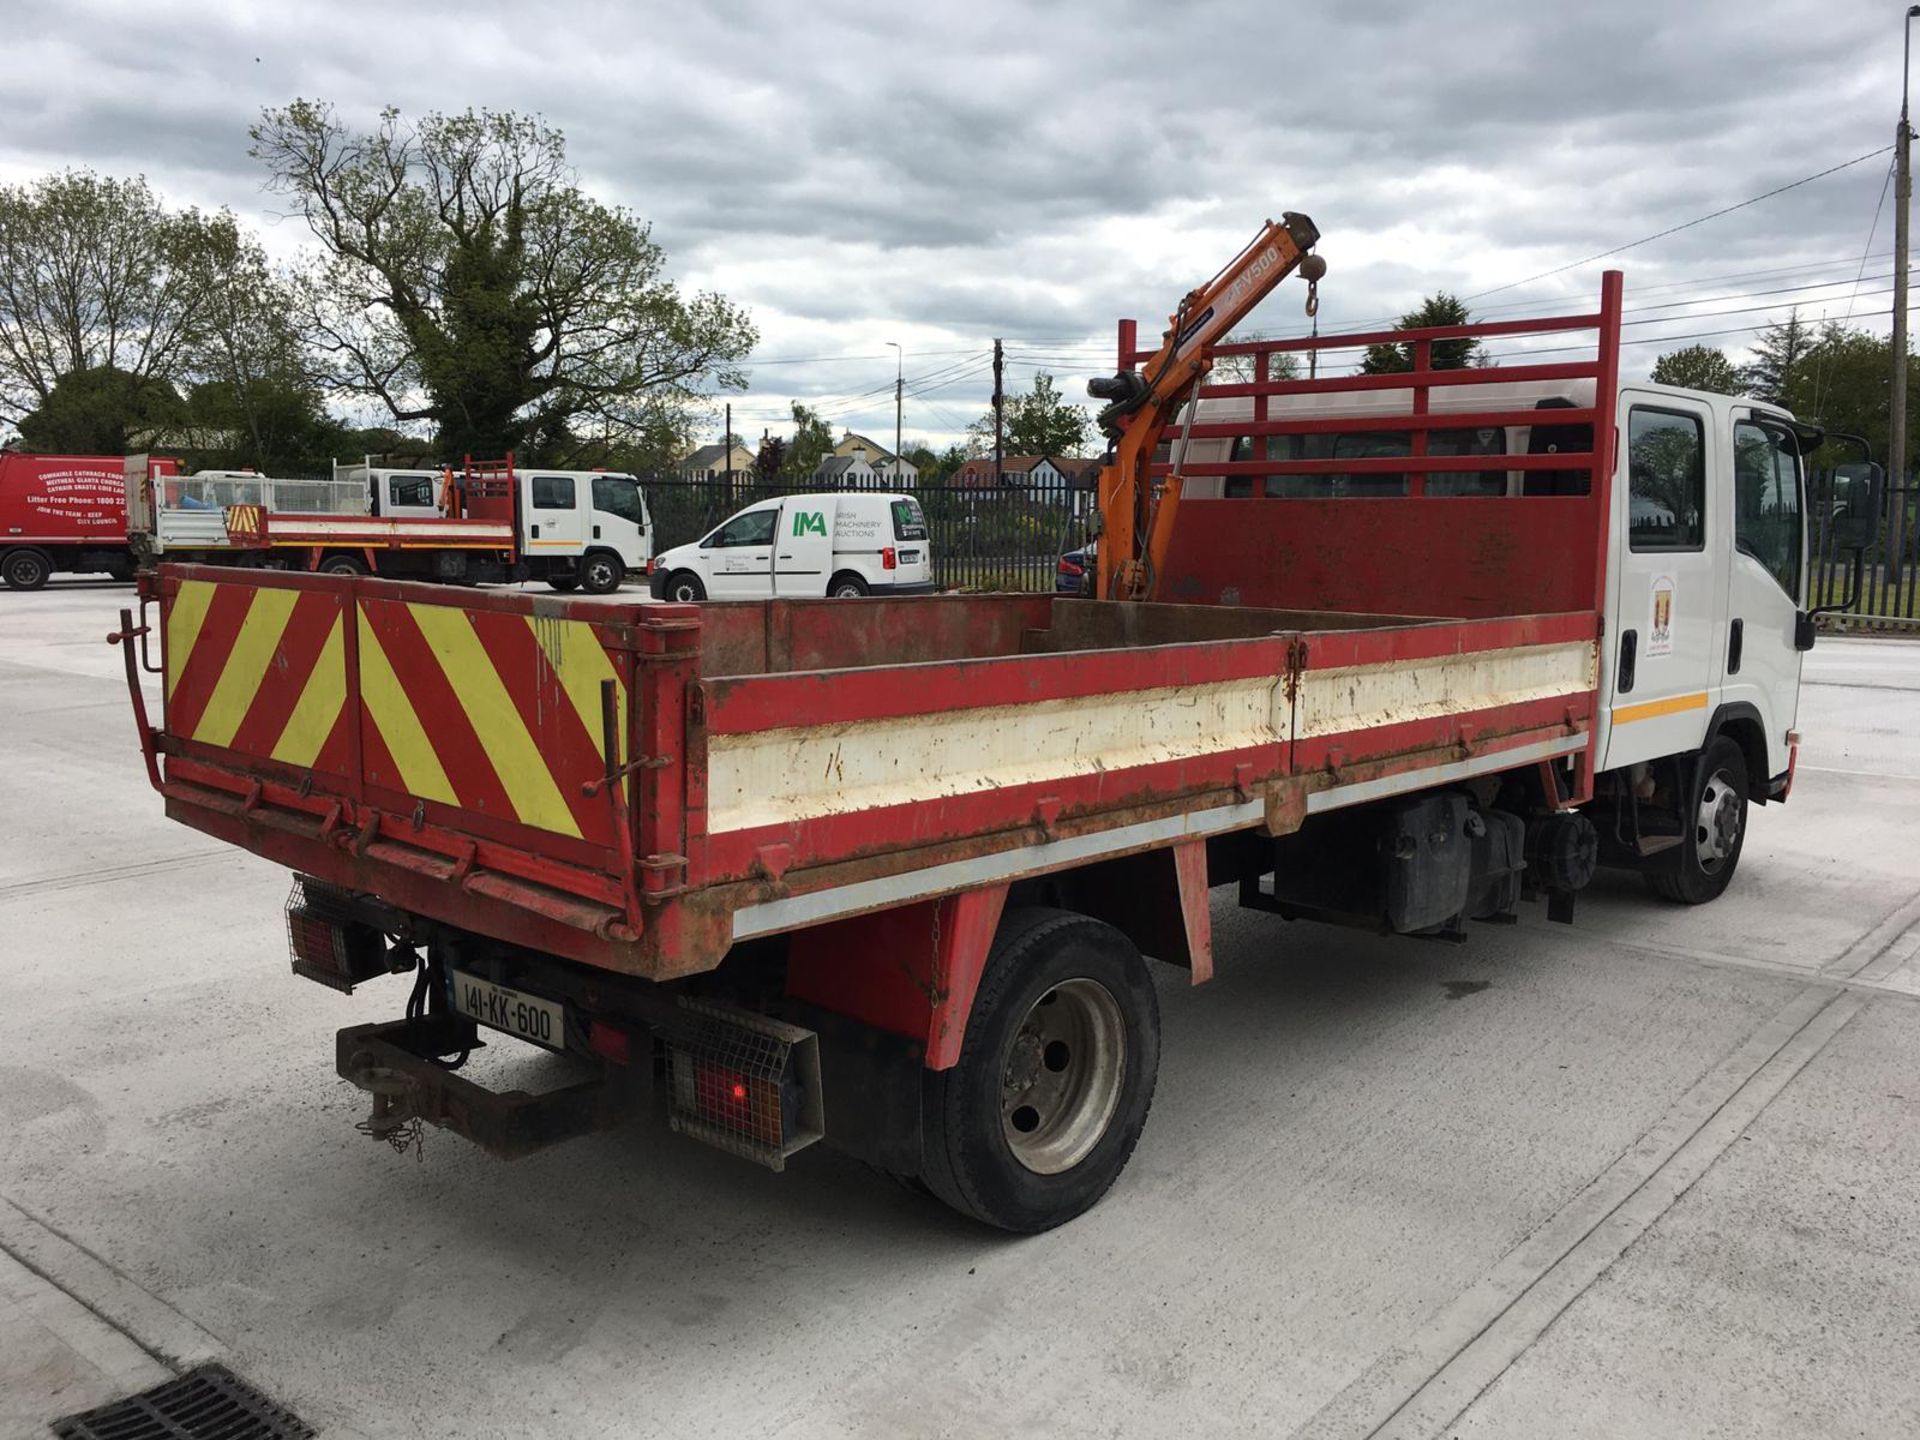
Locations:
207 1401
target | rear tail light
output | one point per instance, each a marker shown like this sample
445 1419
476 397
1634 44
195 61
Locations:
889 558
650 565
744 1083
328 945
1067 567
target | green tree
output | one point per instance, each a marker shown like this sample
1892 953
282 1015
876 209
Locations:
770 458
467 281
1698 367
812 442
101 411
255 387
96 275
1778 353
1437 310
1039 421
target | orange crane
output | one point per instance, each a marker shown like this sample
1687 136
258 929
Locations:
1136 522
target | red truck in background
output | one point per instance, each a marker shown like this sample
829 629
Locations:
65 514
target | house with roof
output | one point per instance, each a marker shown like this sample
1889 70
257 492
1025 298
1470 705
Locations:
846 472
710 462
897 472
1028 472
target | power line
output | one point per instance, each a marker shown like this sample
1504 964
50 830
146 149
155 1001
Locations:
1826 358
1686 225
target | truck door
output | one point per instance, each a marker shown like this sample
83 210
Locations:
618 521
1766 578
803 554
742 551
1663 674
555 516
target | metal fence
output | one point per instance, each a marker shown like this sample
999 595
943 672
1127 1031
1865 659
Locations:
1011 537
1006 537
1888 580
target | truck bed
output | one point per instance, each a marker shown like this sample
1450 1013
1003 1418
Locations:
783 763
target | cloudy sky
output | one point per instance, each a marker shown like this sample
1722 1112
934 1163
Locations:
938 175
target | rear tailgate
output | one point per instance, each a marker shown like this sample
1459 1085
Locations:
453 735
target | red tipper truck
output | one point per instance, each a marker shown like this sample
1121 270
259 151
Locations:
64 513
884 874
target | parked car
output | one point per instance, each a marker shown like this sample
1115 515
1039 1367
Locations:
1074 574
842 545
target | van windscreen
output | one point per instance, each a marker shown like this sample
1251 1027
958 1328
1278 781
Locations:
908 522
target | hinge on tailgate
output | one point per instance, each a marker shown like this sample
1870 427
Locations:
1296 663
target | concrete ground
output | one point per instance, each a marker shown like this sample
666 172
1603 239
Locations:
1652 1174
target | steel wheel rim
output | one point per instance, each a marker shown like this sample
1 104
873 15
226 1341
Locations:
683 593
600 575
1063 1076
1716 828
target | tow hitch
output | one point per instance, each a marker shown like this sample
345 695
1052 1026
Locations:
393 1062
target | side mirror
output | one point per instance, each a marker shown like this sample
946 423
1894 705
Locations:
1853 517
1804 630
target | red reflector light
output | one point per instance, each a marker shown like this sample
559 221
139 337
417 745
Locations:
1067 567
888 559
616 1045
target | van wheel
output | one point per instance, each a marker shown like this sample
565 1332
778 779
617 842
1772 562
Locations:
601 573
1054 1081
1701 866
684 588
564 583
25 569
343 565
847 587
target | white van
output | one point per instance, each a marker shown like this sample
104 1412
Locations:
841 545
578 528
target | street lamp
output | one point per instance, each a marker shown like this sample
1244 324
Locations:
899 373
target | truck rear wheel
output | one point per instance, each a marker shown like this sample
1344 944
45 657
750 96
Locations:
1713 820
1054 1082
343 565
25 569
564 583
601 573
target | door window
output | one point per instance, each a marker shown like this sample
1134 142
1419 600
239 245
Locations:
618 496
410 490
553 492
755 527
1766 500
908 522
1667 480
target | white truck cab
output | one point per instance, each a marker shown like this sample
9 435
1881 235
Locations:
578 528
843 545
1707 610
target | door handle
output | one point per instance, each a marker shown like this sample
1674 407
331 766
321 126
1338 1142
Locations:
596 532
1629 647
1736 642
536 532
785 556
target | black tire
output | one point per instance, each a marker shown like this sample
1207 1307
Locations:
683 587
1701 866
1042 959
847 586
601 572
343 565
25 569
564 583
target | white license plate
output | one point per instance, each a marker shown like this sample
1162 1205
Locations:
514 1011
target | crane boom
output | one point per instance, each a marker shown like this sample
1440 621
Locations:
1135 523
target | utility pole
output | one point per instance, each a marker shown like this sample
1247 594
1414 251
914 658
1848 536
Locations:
1897 419
899 363
726 442
999 417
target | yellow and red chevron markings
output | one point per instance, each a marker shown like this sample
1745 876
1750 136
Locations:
494 711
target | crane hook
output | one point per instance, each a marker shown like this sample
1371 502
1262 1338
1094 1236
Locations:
1312 268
